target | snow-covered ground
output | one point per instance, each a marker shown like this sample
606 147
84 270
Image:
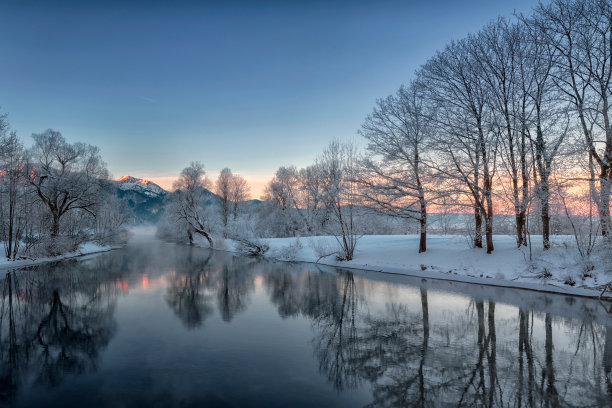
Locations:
451 258
84 249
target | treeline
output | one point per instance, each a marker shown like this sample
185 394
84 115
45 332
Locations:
508 118
54 196
321 199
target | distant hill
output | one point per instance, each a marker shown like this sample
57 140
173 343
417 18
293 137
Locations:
145 198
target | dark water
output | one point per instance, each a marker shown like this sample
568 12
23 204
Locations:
161 325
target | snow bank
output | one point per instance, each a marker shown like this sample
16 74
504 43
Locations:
86 248
558 270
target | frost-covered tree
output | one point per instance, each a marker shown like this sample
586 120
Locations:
466 144
223 189
112 216
544 115
67 177
15 194
232 189
580 31
281 211
188 204
238 194
394 175
497 51
311 199
338 164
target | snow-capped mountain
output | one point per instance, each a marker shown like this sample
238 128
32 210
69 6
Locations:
142 186
145 198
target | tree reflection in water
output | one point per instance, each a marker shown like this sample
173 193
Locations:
409 359
54 323
198 279
186 295
234 285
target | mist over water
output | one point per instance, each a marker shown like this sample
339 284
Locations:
168 325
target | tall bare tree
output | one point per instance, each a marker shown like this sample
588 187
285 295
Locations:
223 189
394 177
238 194
339 173
581 32
544 112
465 140
15 202
497 53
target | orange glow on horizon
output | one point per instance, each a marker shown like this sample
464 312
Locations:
257 183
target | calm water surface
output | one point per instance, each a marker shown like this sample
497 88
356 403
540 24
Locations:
162 325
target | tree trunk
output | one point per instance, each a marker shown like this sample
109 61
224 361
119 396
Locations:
423 239
521 229
477 227
604 208
55 226
208 238
489 233
489 215
545 216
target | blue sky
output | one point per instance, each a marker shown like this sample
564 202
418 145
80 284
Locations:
246 85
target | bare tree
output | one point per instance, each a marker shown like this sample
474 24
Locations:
581 31
544 116
311 199
465 140
393 176
497 53
112 215
281 197
239 193
188 204
296 200
15 203
339 171
66 176
223 189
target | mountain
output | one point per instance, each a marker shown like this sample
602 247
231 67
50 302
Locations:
142 186
145 198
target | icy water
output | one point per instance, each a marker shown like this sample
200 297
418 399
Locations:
161 325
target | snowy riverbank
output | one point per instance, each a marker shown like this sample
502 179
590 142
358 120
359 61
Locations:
87 248
451 258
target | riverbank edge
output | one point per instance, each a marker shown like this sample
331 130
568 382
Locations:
543 285
90 249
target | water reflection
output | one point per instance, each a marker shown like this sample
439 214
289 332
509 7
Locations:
198 279
54 323
186 296
398 341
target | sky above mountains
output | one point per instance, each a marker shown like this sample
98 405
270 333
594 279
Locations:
245 85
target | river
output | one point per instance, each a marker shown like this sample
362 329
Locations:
156 324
